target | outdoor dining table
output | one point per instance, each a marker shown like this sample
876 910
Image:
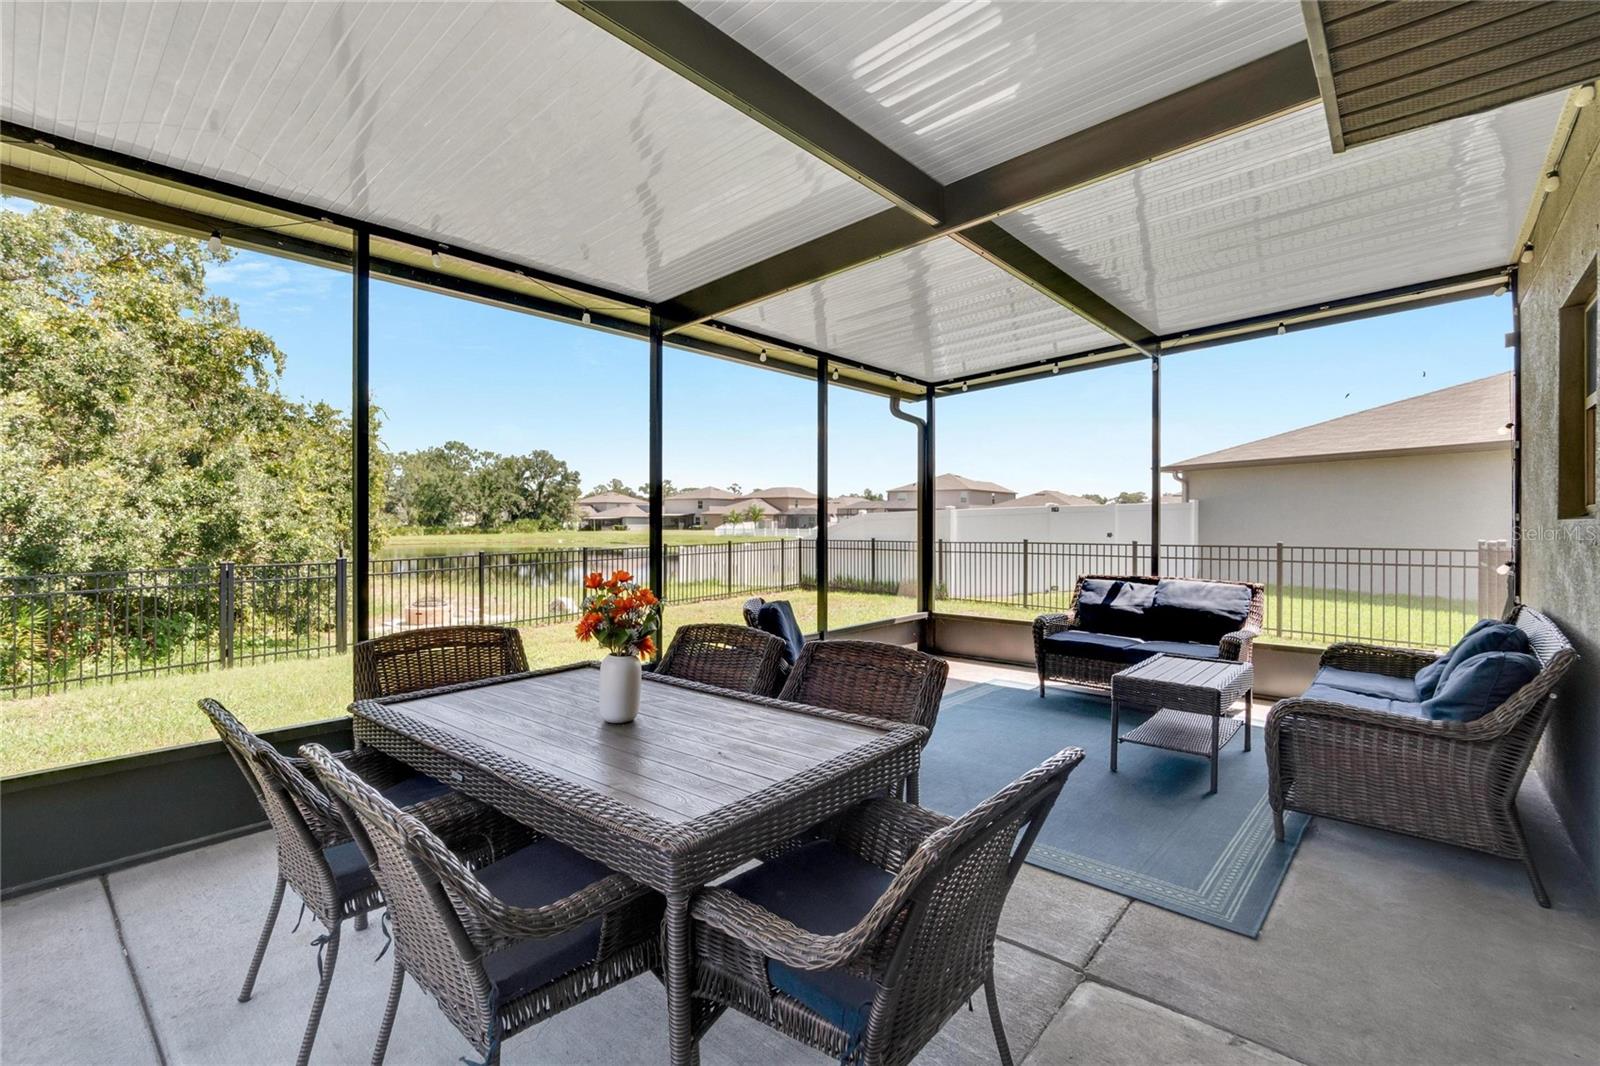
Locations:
703 781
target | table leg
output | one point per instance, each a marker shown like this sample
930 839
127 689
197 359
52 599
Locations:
1114 741
1249 702
1216 732
679 965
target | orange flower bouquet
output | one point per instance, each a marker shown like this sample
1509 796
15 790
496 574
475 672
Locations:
622 616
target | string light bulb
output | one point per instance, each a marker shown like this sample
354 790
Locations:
1500 290
1282 329
586 316
763 355
215 243
1552 181
963 386
436 259
1527 255
1584 97
835 374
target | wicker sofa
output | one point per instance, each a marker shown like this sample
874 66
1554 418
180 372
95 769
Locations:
1453 781
1116 621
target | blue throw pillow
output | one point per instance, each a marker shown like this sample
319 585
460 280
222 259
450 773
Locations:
1487 635
1479 684
1200 611
777 618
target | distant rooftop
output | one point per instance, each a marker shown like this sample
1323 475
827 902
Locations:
610 497
1463 417
1046 497
950 482
706 493
787 490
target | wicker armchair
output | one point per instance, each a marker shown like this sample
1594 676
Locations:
524 938
731 657
912 944
316 856
418 659
1094 671
1454 782
877 680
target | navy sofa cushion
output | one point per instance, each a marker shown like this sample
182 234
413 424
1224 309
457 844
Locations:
350 873
1188 649
777 618
1107 605
824 889
1091 645
418 788
538 874
1391 688
1202 611
1486 635
1364 701
1479 684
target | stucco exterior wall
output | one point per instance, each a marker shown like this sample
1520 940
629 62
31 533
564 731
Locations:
1443 500
1561 557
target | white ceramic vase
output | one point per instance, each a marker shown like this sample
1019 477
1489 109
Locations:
619 688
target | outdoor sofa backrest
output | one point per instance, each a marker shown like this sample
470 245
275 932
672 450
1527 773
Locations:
1152 608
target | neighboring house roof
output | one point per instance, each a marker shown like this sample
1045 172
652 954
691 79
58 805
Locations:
601 499
627 510
786 492
845 503
953 482
1045 497
707 493
1461 418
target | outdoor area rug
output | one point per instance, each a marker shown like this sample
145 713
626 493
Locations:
1148 831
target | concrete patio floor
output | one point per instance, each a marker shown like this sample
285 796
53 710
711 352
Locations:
1379 949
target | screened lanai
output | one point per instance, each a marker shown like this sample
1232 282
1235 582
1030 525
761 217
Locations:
893 204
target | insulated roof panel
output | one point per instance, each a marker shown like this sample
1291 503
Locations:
958 86
1269 219
933 312
515 129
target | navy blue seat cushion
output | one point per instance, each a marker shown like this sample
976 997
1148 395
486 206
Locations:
1091 645
1391 688
1364 701
1106 605
541 873
777 618
824 889
1485 635
1146 648
1200 611
418 788
1479 684
351 875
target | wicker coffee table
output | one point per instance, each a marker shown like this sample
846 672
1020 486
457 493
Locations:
1192 698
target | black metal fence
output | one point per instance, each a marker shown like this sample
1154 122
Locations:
63 630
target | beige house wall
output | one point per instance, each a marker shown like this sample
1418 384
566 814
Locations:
1440 500
1561 557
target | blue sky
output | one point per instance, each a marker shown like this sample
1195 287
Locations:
445 369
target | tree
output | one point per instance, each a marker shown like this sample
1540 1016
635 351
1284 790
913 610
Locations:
868 494
667 489
140 421
1132 497
538 487
736 489
615 485
1095 496
752 514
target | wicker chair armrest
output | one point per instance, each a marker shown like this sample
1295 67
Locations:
885 832
1046 624
1233 644
778 938
1377 659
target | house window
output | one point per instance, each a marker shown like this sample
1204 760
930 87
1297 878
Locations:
1579 378
963 497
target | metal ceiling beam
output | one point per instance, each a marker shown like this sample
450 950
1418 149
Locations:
1242 97
1008 252
682 41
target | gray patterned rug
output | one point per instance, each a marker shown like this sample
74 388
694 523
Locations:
1148 831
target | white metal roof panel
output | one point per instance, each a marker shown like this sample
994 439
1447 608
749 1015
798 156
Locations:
517 129
961 85
933 312
1269 219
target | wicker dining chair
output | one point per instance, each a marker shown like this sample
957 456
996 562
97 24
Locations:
868 678
516 942
864 942
731 657
417 659
316 856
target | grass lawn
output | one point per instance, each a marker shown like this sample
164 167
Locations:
121 718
